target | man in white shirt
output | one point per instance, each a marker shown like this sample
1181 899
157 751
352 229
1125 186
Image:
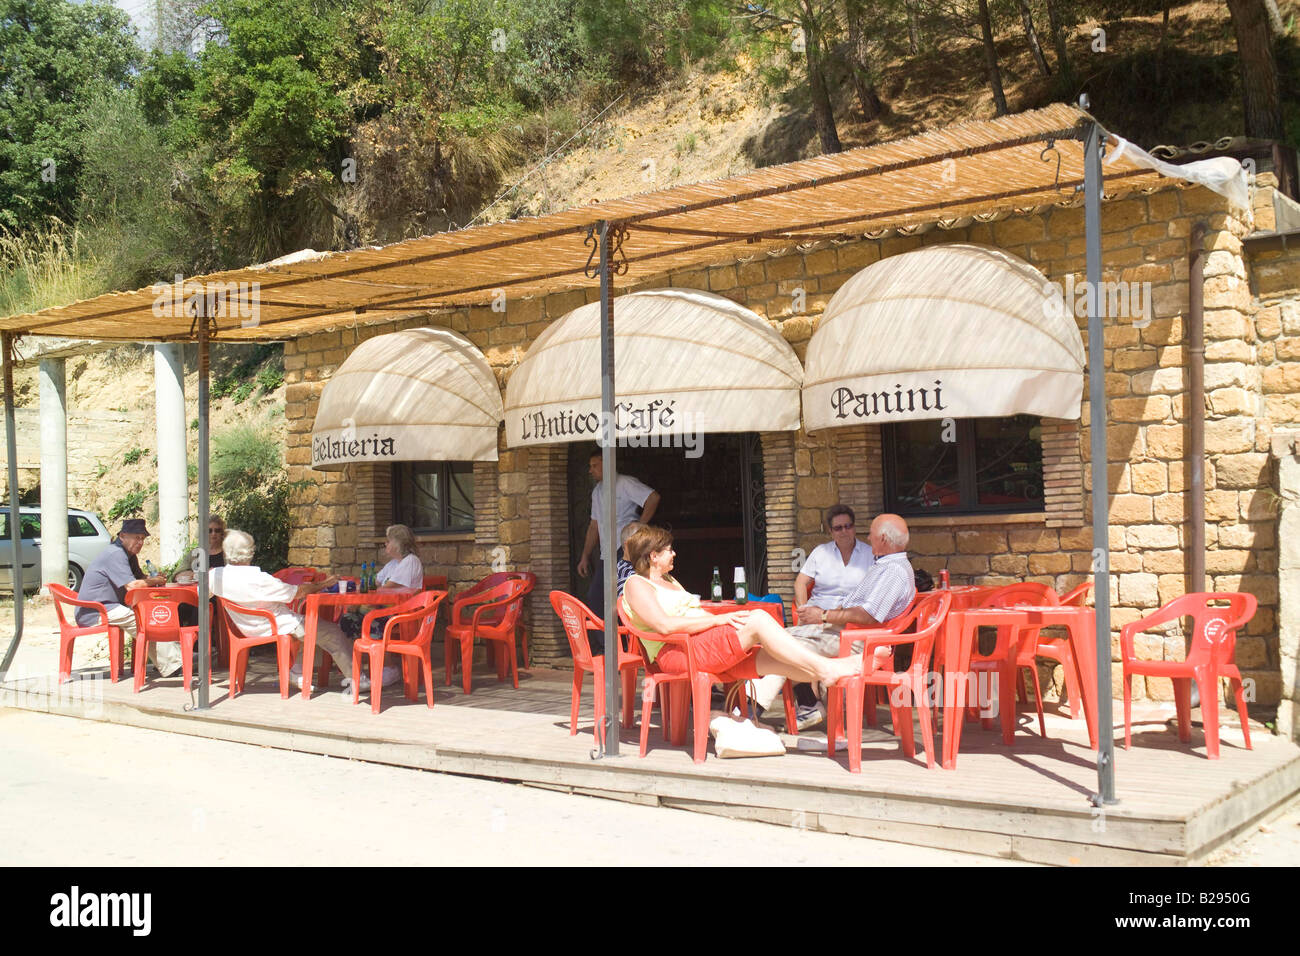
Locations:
630 496
240 581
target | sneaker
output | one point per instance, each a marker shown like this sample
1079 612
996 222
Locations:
392 674
365 684
295 676
809 715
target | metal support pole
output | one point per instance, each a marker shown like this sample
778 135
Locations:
205 606
609 547
15 522
1097 462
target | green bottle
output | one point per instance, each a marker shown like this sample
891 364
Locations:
742 590
716 590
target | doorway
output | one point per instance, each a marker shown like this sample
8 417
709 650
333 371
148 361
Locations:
714 505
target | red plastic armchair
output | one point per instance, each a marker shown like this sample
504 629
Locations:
420 613
1211 656
70 630
698 683
494 619
1058 649
578 621
466 599
240 643
906 688
298 575
1016 653
158 621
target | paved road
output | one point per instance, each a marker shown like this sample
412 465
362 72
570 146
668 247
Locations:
169 799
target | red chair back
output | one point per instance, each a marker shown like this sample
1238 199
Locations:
1214 627
1013 595
423 608
434 582
1077 597
917 625
577 619
64 595
157 612
298 575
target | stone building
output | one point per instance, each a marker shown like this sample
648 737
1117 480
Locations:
529 507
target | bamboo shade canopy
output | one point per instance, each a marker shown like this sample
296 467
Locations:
686 362
977 169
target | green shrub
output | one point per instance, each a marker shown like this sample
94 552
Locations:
132 456
132 503
251 488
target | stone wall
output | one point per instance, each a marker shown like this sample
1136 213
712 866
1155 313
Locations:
1145 239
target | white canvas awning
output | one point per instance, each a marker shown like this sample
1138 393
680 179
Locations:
949 331
415 395
686 362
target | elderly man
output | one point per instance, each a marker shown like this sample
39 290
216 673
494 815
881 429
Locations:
110 576
243 583
884 592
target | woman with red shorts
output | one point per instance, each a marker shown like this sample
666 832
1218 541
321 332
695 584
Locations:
738 646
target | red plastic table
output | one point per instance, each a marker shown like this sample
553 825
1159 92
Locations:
958 639
726 607
328 600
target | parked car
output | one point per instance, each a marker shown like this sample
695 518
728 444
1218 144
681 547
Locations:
87 536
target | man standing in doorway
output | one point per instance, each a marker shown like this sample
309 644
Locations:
629 496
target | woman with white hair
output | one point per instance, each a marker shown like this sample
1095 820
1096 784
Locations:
244 583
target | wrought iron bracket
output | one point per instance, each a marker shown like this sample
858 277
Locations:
618 264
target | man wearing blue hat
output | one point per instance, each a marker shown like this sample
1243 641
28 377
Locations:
110 576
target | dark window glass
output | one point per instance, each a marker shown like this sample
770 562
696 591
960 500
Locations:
434 495
79 527
31 525
984 465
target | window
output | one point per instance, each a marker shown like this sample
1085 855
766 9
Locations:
30 524
988 465
80 527
434 495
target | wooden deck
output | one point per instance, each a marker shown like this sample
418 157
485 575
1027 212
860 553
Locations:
1029 801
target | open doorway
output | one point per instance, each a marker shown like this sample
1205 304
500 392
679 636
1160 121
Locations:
714 505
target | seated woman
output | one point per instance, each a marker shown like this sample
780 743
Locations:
741 645
403 570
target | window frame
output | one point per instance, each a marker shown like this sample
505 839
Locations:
400 476
966 476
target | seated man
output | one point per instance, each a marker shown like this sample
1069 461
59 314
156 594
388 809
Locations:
884 593
242 582
114 572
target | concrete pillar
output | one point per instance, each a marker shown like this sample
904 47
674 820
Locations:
54 472
1286 449
173 480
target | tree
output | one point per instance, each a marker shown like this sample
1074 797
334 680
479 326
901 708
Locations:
55 58
1261 99
810 26
860 59
1031 37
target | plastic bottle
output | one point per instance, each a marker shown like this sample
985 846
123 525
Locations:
715 593
148 569
742 591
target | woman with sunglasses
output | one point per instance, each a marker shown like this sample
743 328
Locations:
835 568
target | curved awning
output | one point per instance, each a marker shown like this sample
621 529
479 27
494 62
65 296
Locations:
686 362
950 331
414 395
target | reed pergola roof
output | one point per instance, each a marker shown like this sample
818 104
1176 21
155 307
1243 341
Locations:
980 169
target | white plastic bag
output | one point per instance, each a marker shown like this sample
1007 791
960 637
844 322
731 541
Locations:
741 738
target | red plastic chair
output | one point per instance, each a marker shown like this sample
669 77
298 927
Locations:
474 595
434 582
1057 649
1013 656
158 621
298 575
698 683
873 693
69 631
240 643
495 619
906 689
1214 643
421 612
578 621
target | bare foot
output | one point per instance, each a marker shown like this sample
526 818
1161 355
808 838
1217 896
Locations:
839 667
